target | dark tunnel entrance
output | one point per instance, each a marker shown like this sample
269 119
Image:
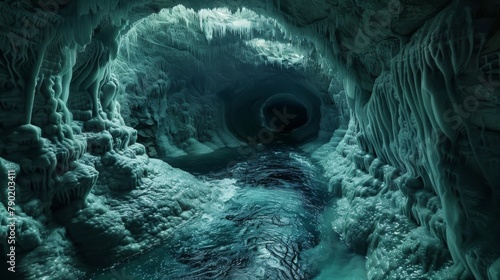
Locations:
284 113
280 109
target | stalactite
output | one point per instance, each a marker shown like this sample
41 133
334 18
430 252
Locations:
30 87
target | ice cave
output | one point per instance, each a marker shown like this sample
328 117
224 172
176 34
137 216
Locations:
258 139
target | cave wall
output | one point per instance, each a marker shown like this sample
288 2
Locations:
80 175
434 117
433 114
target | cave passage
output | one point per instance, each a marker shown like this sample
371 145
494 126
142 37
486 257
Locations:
236 125
269 224
282 108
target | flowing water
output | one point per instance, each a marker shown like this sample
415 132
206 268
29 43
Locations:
268 224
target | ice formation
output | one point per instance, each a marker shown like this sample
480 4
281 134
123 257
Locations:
404 94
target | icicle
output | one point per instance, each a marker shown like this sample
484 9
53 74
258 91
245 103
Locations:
31 85
200 16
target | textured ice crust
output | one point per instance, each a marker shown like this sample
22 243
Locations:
421 118
425 130
115 223
371 215
134 220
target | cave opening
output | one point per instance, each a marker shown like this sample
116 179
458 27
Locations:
283 109
283 113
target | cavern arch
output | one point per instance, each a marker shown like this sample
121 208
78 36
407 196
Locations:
407 95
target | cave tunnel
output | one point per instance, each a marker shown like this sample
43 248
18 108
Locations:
324 140
276 110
